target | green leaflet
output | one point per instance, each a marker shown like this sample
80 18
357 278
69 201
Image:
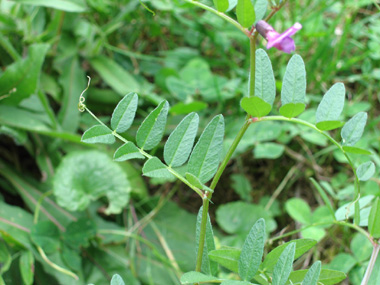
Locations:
260 9
152 128
352 131
155 168
293 88
98 134
245 13
195 277
255 106
327 276
64 5
204 159
374 219
180 142
221 5
27 267
329 125
365 171
117 280
268 150
228 257
208 266
332 104
284 265
356 150
78 233
265 87
299 210
312 274
195 182
124 113
235 282
252 251
127 151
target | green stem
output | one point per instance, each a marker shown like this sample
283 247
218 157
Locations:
220 14
307 124
371 264
38 205
202 233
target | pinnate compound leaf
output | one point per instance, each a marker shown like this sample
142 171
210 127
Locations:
356 150
312 274
208 266
284 265
124 113
46 235
332 104
221 5
64 5
302 246
255 106
127 151
292 110
228 257
27 267
98 134
252 251
352 131
365 171
155 168
204 159
152 128
196 277
180 142
117 280
294 83
245 13
86 176
265 86
374 219
329 125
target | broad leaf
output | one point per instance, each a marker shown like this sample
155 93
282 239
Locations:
374 219
332 104
152 128
327 276
208 266
265 87
252 251
284 265
180 142
64 5
27 267
127 151
312 274
292 110
197 277
204 160
86 176
228 257
255 106
46 235
365 171
98 134
245 13
79 233
155 168
268 150
329 125
352 131
356 150
117 280
124 113
221 5
299 210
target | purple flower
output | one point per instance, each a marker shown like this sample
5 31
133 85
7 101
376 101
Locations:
280 41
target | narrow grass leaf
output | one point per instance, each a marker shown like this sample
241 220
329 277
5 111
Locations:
312 274
245 13
152 128
294 83
98 134
353 130
332 104
324 196
204 160
356 150
180 142
265 86
221 5
208 266
127 151
292 110
227 257
374 219
365 171
284 265
155 168
124 113
252 251
255 106
197 277
329 125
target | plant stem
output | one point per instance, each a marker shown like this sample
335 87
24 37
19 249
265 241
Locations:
252 75
371 264
202 233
